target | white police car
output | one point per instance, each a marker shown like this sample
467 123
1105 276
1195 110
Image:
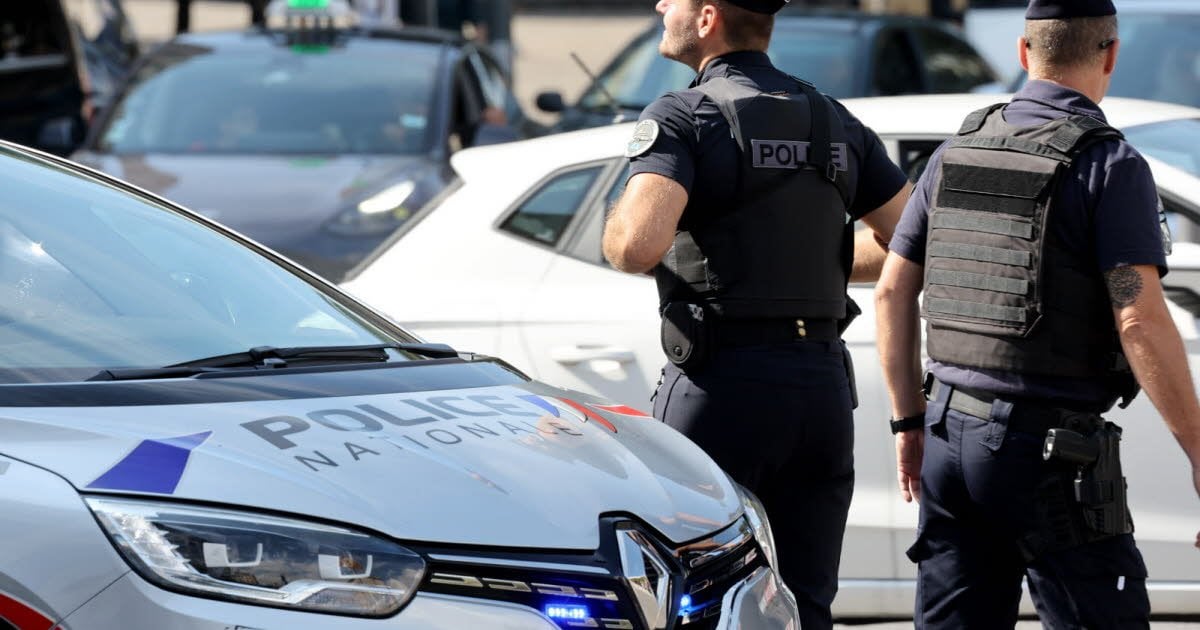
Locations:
195 434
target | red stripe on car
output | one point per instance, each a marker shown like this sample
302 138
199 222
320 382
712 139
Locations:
623 410
590 415
21 615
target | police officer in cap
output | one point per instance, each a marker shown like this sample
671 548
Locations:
742 199
1037 237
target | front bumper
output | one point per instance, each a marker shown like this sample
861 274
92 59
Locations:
759 602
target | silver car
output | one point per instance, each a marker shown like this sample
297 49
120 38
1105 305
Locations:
194 434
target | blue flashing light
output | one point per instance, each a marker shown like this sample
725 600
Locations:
685 602
562 611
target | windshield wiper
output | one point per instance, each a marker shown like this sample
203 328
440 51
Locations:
270 357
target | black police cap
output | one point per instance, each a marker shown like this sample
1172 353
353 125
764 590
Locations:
760 6
1067 9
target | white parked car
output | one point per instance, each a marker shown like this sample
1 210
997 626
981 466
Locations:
511 257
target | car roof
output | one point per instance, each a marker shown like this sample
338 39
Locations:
942 114
544 154
257 37
1156 6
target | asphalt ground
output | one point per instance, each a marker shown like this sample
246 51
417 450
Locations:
542 61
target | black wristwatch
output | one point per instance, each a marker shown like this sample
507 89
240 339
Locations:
907 423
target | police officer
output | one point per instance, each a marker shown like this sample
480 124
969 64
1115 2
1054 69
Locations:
742 198
1036 237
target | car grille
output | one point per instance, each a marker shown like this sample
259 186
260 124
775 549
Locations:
697 577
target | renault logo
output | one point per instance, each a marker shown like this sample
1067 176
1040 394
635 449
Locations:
644 571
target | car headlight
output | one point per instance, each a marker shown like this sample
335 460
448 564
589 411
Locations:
757 515
388 199
378 214
263 560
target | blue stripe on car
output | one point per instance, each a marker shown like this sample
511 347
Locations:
152 466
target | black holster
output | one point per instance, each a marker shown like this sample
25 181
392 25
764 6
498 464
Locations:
1090 506
686 334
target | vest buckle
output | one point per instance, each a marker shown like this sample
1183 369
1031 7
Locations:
800 330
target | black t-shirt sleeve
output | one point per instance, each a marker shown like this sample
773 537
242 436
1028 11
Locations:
672 154
879 179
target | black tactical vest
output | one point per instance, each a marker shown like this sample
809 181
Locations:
1000 293
785 248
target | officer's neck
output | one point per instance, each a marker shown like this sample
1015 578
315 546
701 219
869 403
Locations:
1088 81
718 51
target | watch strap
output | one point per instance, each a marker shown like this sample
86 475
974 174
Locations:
907 423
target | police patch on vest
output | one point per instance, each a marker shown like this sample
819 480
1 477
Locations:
644 135
791 154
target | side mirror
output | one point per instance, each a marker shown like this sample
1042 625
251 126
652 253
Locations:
58 135
551 102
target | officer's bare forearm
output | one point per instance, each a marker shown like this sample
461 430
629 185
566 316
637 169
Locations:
641 225
897 325
868 257
1155 351
870 245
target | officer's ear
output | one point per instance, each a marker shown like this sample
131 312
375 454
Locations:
707 19
1023 52
1110 56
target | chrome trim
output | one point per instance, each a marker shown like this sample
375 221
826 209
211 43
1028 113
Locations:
638 556
520 564
701 552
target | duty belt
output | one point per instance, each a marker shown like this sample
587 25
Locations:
757 332
1027 416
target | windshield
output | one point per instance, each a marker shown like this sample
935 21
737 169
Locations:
366 97
94 278
1159 58
827 59
1176 142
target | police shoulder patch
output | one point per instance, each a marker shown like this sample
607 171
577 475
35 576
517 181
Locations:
644 135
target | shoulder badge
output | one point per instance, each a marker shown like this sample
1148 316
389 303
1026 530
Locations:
644 135
1165 228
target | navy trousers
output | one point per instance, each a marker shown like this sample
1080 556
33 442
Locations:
778 420
977 498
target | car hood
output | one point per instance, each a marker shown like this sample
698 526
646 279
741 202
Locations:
509 465
249 193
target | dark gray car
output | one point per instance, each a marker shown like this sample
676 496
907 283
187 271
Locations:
845 54
318 145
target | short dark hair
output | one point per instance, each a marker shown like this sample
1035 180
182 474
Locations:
744 29
1070 43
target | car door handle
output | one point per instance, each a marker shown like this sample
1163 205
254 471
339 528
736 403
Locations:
580 353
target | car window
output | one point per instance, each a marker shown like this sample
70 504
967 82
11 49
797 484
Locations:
94 278
544 215
827 59
1160 57
895 65
1176 142
318 99
637 76
951 65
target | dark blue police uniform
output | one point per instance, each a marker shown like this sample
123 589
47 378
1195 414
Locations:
776 415
982 469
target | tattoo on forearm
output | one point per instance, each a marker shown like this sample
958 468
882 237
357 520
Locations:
1124 286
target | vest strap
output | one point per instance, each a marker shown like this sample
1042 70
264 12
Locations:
981 281
974 121
981 253
1008 314
1008 143
1067 137
985 224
